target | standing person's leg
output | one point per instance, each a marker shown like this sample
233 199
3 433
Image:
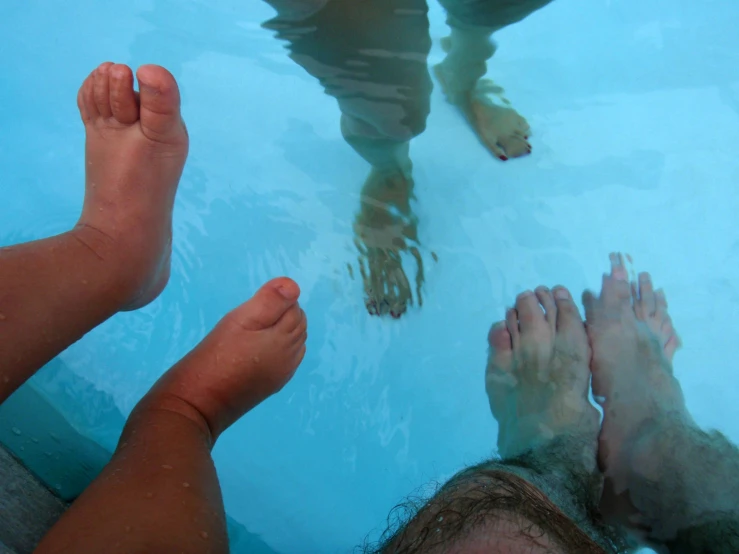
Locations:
160 492
668 481
55 290
542 495
371 56
469 47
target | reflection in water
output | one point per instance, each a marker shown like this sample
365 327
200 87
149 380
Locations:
371 56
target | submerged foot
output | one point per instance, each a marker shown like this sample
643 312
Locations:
498 126
134 155
633 344
250 355
537 375
385 229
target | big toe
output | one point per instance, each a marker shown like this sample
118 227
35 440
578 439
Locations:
616 291
267 306
160 104
501 345
568 316
504 339
615 300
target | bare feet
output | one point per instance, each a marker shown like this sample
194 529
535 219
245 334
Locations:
250 355
537 376
498 126
633 344
135 152
385 228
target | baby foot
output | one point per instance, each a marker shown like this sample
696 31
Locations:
537 377
633 344
134 155
250 355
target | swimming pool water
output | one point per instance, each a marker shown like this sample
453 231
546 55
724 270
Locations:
635 112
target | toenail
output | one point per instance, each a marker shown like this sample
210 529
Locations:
561 294
149 89
287 292
526 293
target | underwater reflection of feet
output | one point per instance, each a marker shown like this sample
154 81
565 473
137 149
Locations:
498 126
385 229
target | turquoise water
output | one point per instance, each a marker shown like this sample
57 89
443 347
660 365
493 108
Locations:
635 112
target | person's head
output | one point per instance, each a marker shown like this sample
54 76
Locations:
484 510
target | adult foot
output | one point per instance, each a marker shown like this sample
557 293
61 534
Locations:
537 374
250 355
134 155
633 344
385 228
498 126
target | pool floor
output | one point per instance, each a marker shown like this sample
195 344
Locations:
635 113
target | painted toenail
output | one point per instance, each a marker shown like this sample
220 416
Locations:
561 294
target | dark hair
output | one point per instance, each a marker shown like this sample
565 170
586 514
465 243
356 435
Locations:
468 501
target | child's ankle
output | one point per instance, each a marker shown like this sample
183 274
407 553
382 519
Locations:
156 405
